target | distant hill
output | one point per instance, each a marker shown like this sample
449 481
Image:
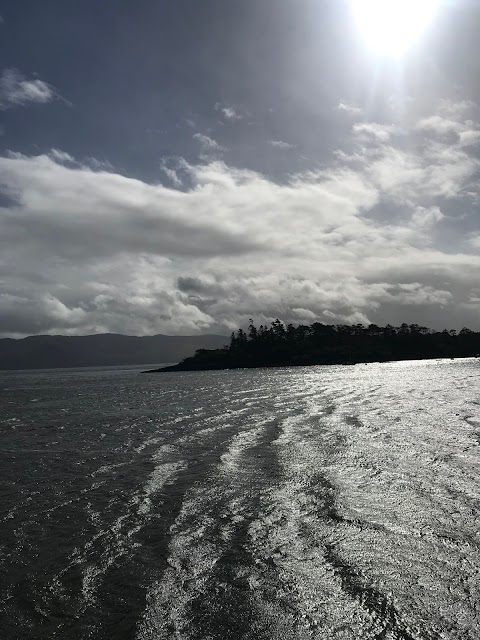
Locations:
44 352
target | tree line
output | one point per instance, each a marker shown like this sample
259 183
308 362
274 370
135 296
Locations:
283 344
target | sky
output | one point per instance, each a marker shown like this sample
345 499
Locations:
179 167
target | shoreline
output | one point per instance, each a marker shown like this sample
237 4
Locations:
184 367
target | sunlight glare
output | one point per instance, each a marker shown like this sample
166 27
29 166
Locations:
391 27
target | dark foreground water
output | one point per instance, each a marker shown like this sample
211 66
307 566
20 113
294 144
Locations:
322 502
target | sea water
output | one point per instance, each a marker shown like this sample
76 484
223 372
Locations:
315 502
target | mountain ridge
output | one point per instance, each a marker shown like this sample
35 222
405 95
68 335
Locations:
101 349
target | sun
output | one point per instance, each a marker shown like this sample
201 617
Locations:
391 27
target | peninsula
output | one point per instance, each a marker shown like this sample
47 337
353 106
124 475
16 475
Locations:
286 345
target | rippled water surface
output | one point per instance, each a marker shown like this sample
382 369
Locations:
320 502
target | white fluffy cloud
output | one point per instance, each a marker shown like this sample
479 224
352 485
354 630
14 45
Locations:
452 122
16 90
83 249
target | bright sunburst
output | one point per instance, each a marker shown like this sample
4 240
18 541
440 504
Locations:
391 26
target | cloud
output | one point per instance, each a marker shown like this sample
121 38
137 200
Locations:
16 90
426 216
439 125
364 239
369 130
228 112
434 168
95 163
64 158
474 241
69 204
328 317
349 109
305 315
61 156
171 173
469 137
208 145
279 144
454 122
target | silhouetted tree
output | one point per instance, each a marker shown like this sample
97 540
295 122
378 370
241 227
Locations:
282 344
